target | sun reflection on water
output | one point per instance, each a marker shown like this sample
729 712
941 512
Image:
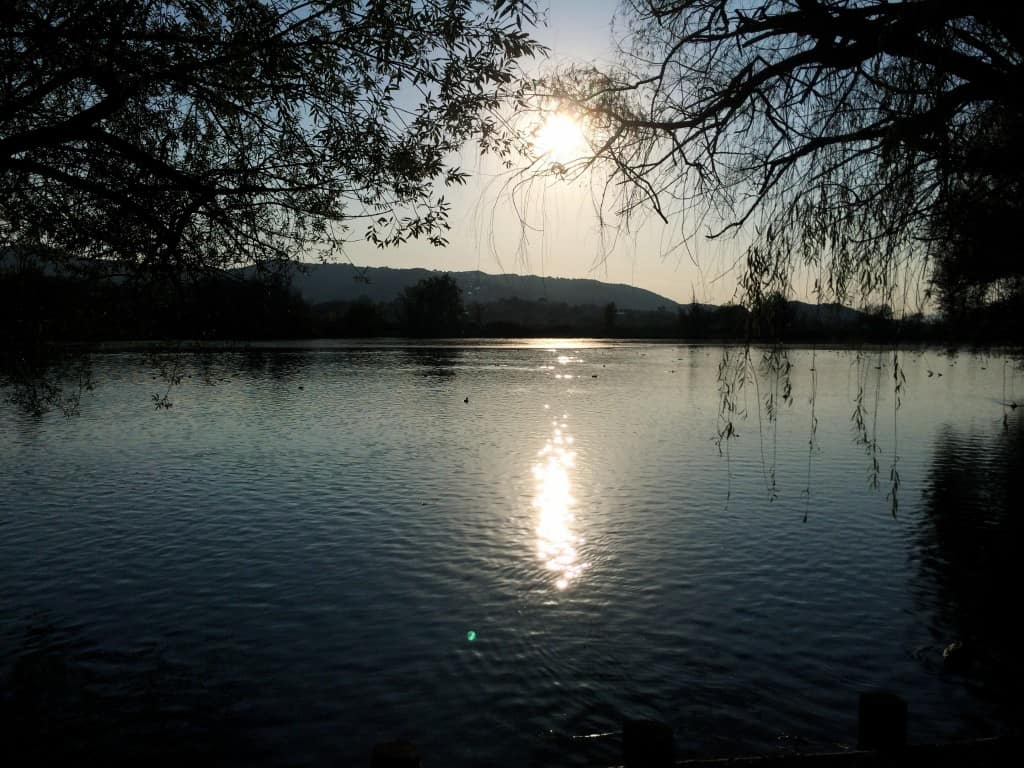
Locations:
557 544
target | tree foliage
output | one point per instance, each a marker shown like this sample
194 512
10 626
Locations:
172 137
433 307
841 137
975 225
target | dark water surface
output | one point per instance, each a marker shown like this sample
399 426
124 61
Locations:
317 549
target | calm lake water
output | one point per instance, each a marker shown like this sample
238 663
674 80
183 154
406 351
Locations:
321 547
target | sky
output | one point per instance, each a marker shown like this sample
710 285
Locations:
562 236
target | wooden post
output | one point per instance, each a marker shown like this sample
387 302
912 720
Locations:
647 744
395 754
881 721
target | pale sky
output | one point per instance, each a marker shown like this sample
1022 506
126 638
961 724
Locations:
563 237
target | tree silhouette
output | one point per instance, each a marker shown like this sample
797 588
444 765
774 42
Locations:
174 137
610 315
825 129
976 219
433 307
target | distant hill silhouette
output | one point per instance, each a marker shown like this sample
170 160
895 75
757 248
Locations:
830 315
84 300
322 283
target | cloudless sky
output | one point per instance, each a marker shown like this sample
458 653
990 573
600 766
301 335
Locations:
562 237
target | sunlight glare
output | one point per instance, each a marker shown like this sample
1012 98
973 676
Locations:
560 139
557 544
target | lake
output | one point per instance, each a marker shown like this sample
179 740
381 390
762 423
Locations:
495 549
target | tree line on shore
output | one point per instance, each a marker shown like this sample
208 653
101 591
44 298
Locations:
36 307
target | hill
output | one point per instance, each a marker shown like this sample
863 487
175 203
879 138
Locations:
322 283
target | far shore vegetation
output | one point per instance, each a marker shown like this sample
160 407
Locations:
36 308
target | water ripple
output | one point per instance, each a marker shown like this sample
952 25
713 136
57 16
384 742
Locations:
490 550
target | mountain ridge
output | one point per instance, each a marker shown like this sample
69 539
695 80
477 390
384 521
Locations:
323 283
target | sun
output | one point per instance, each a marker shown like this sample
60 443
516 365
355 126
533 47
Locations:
560 139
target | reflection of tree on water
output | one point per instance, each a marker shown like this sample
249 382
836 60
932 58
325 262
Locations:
433 361
971 539
64 700
768 373
275 364
38 381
